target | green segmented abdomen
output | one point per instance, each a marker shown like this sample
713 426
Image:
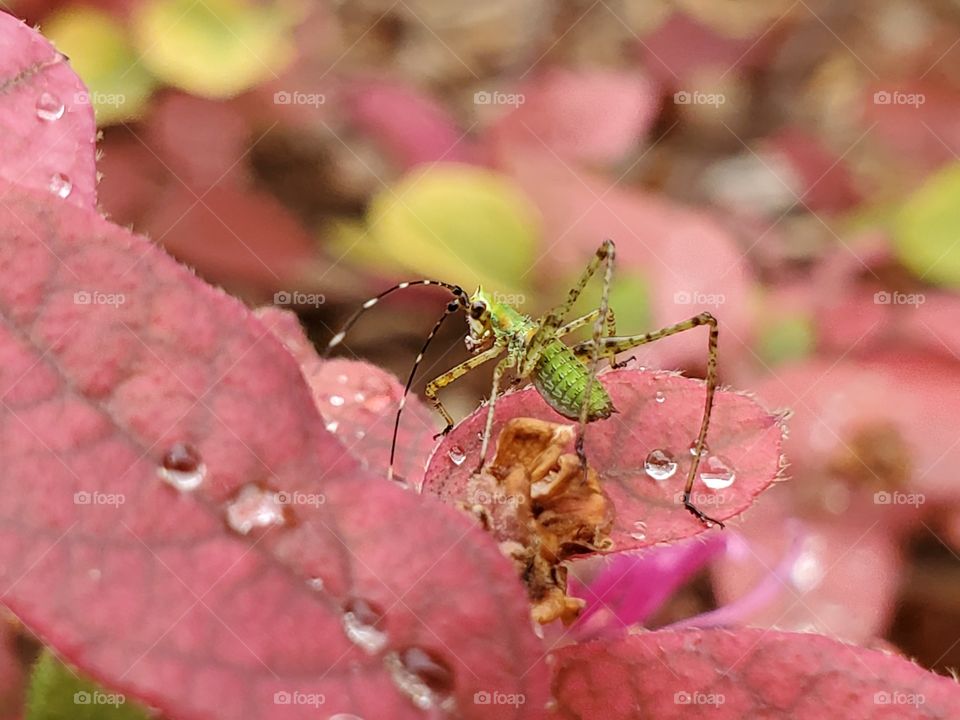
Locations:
562 380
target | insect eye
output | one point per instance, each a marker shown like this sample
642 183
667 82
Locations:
477 310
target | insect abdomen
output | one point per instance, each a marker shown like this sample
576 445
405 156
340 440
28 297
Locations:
562 380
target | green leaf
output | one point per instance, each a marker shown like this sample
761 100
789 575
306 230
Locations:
100 53
457 223
926 230
56 692
215 48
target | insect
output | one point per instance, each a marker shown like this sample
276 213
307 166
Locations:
564 375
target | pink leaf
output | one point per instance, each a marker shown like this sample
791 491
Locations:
560 111
48 128
747 673
110 355
359 401
744 436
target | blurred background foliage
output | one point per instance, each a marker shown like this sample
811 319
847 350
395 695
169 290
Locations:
790 166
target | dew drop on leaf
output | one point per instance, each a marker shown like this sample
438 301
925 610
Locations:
361 621
640 530
61 185
336 400
254 507
457 455
49 107
717 473
422 676
660 465
182 467
660 397
332 426
704 451
315 583
345 716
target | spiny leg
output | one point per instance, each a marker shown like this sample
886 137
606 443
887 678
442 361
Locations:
458 371
619 344
491 405
605 254
552 320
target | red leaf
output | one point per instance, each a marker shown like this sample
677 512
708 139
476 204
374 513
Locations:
144 587
48 127
744 435
358 401
748 673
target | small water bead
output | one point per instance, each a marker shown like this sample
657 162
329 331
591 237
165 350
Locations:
660 465
717 473
640 532
61 185
182 467
422 676
359 397
704 451
336 400
361 621
49 107
345 716
660 397
315 583
252 508
457 455
332 426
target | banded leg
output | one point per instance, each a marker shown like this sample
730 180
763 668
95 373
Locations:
619 344
458 371
491 405
553 319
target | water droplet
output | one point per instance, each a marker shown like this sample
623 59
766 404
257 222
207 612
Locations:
660 465
359 434
704 451
640 530
359 397
660 397
336 400
345 716
315 583
717 473
360 623
332 426
342 379
182 467
422 676
61 185
49 107
254 507
457 455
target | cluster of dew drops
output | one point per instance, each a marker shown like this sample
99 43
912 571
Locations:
50 109
420 674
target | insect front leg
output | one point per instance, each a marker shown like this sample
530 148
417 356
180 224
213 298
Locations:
438 383
491 406
620 344
553 319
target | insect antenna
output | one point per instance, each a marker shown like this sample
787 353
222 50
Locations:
460 301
